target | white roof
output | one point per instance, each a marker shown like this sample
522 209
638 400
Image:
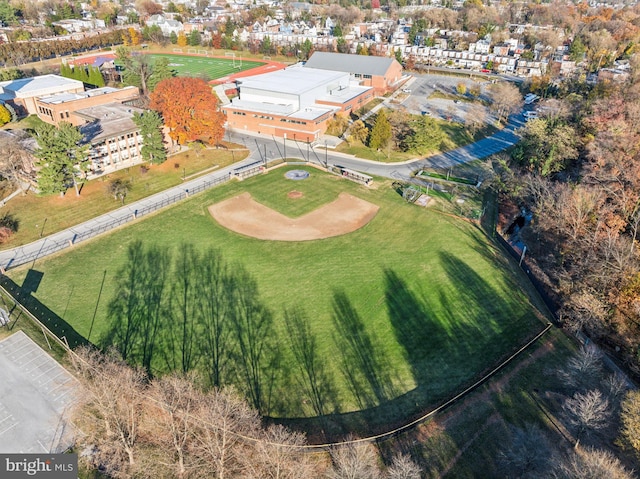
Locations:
293 80
40 85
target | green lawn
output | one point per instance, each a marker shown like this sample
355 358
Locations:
438 304
211 68
43 215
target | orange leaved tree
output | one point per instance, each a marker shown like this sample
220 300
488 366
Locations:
189 109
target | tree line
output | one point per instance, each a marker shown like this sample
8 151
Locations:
134 426
19 53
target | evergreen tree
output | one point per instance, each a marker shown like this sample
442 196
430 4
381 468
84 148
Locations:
426 135
62 158
161 71
398 55
95 77
195 38
150 124
381 132
173 38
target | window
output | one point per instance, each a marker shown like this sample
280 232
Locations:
366 76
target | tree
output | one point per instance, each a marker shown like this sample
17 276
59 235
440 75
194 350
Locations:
95 77
461 88
181 40
150 125
138 69
547 146
113 394
173 38
402 467
119 188
266 47
15 160
398 55
5 115
426 135
587 412
354 461
630 417
590 464
358 132
189 109
505 99
341 45
526 454
63 159
475 119
7 14
381 131
195 38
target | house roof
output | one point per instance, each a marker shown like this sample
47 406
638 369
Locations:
343 62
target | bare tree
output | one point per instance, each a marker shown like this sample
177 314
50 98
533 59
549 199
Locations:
527 453
587 412
354 461
278 455
224 420
111 411
630 417
171 423
590 464
403 467
15 160
505 99
475 119
583 368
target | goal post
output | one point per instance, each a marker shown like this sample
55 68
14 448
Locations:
177 50
192 50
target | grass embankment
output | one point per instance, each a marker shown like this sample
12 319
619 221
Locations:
43 215
438 303
456 135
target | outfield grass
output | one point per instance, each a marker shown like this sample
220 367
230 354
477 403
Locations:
201 66
439 303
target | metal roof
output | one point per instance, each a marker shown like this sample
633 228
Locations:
344 62
293 80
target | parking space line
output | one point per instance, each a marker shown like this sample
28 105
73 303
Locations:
9 428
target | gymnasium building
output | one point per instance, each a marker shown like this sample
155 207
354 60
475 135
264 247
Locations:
294 103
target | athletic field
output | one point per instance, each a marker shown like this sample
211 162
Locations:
405 311
205 67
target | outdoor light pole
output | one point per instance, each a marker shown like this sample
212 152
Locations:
285 146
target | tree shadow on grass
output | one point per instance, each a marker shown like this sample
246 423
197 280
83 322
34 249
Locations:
450 338
53 322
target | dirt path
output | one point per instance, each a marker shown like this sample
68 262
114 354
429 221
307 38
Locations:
246 216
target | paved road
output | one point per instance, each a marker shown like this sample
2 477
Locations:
265 149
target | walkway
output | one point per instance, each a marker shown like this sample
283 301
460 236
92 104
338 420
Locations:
257 144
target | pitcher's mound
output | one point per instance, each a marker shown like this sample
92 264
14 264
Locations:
242 214
294 195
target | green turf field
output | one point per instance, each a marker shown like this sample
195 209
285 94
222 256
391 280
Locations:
210 68
428 302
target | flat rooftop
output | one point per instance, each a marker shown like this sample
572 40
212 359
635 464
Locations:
25 86
66 97
308 113
106 121
292 80
344 95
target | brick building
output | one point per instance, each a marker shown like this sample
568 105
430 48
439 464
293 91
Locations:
22 94
383 74
60 107
294 103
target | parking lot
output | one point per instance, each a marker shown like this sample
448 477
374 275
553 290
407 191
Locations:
35 393
417 98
